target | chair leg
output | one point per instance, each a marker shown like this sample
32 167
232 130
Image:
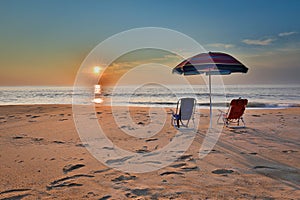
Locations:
187 123
226 122
243 121
194 123
174 122
220 115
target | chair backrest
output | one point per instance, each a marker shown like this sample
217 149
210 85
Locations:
186 108
237 108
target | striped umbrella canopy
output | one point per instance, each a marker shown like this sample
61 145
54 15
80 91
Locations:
211 63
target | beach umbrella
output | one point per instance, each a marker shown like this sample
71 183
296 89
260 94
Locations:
211 63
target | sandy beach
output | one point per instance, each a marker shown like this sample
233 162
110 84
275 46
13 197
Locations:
42 157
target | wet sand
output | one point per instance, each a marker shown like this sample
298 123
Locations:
42 157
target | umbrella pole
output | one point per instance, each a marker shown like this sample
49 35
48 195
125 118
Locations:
210 104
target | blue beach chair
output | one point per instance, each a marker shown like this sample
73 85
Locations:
185 111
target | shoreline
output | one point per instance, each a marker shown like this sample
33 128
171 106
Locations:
162 106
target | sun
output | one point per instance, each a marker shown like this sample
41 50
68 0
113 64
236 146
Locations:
97 70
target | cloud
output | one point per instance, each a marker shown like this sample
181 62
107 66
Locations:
286 33
221 45
269 67
259 42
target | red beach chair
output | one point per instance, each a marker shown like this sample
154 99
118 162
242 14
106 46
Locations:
184 112
235 113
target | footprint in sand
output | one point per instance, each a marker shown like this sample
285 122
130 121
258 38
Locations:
71 167
171 173
151 139
58 142
90 195
67 181
185 157
289 151
253 153
178 165
105 197
81 145
17 137
14 190
215 151
123 178
101 171
140 192
15 194
222 171
119 160
263 167
142 151
62 119
189 169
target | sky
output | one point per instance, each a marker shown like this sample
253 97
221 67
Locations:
45 42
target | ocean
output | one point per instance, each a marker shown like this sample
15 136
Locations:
259 96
